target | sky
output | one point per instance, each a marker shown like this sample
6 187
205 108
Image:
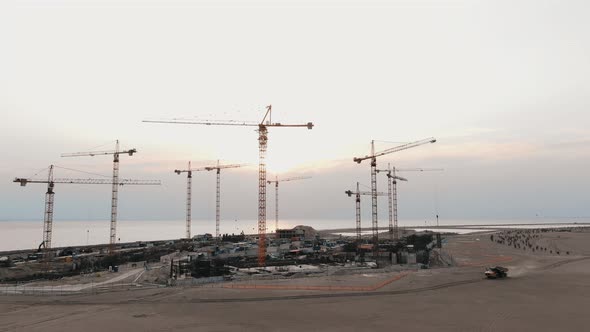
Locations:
502 85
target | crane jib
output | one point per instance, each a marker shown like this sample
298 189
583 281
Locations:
396 149
122 182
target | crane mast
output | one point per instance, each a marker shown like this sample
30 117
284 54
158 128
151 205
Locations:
218 205
262 147
276 207
189 184
218 194
390 191
392 201
48 215
394 233
374 222
262 143
114 197
358 214
357 210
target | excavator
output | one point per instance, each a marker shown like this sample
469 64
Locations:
496 272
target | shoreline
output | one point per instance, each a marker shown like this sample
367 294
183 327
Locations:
351 231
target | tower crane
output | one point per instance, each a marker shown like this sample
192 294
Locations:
189 178
358 194
189 171
262 146
218 194
276 182
373 156
392 201
49 196
115 190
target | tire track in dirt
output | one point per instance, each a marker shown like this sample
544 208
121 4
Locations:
159 297
558 264
282 298
357 294
321 288
17 326
339 295
496 321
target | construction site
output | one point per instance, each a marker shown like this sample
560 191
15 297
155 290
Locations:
207 255
368 270
161 295
197 165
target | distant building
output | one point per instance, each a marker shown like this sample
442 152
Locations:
297 233
203 237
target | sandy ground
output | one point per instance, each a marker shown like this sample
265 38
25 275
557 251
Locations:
543 293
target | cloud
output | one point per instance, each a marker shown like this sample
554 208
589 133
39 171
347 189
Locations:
577 145
485 151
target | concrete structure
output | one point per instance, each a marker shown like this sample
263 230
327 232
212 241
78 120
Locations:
297 233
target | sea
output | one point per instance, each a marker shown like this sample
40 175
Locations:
16 235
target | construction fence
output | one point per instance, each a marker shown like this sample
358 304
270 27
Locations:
57 288
53 289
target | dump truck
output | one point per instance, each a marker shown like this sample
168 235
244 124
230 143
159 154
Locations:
496 272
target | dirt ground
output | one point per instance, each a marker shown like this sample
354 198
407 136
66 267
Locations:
543 293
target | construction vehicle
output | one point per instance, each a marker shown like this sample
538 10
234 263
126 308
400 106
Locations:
496 272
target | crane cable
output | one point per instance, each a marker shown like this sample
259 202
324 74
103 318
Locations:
41 170
99 146
76 170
